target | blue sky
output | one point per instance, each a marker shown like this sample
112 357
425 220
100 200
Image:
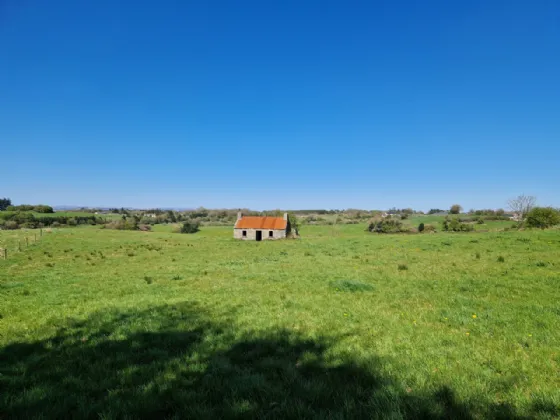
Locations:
279 104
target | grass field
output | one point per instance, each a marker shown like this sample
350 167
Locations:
339 324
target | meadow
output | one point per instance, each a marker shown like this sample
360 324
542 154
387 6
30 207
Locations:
341 323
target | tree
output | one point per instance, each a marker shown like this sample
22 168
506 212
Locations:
293 224
4 203
500 212
455 209
543 217
522 205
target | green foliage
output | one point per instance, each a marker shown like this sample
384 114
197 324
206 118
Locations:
455 209
543 217
38 208
5 203
11 225
421 227
454 225
434 211
189 227
126 223
31 221
293 224
387 226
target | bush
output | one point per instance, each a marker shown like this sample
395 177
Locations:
11 225
429 228
543 217
189 227
386 226
454 225
123 224
56 224
27 225
421 227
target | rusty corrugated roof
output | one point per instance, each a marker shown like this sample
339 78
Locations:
259 222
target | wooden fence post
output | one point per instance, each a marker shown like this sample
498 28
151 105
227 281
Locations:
19 245
5 253
27 240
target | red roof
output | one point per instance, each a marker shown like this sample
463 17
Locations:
258 222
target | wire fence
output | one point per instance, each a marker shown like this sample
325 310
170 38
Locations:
18 242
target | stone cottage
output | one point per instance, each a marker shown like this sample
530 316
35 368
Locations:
259 228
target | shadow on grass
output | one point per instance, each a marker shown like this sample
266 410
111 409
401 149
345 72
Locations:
175 362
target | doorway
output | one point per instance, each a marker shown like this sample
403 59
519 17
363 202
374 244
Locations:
259 235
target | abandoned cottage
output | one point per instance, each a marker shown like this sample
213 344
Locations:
258 228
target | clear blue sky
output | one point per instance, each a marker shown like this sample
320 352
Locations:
279 104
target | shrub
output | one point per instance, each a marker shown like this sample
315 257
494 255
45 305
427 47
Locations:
129 223
421 227
501 259
189 227
27 225
41 208
429 228
543 217
454 225
72 221
386 226
402 267
11 225
55 224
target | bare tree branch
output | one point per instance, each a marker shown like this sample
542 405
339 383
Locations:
522 205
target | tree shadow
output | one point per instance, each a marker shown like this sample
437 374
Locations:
176 362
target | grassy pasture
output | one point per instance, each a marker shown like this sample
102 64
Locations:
339 324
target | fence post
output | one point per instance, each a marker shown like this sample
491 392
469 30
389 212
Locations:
41 231
19 245
5 253
27 240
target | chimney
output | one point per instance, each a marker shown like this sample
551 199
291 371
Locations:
285 216
239 215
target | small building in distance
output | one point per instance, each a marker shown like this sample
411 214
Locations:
260 228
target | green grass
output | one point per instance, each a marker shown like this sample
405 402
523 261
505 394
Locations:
113 324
